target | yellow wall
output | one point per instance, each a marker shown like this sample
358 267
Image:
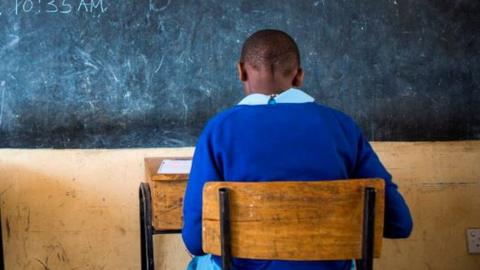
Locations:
78 209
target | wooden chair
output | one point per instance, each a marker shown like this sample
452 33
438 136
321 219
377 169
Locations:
321 220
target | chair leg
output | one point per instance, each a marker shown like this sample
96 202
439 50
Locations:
146 231
225 233
368 230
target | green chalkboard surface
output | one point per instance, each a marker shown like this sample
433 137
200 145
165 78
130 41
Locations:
148 73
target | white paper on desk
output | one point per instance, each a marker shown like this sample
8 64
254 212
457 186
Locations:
175 166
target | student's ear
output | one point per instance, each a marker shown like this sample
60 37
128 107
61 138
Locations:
298 79
242 73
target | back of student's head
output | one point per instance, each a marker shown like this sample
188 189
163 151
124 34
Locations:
271 50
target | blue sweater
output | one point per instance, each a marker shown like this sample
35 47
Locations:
286 141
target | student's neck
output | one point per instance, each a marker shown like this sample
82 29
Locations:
267 89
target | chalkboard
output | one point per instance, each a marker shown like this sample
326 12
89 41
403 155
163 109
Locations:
150 73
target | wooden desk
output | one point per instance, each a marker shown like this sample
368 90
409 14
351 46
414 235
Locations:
161 203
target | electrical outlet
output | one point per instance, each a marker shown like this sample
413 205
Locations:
473 240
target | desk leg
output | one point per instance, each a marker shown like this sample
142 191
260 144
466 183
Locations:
146 230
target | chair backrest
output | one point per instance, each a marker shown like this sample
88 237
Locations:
290 220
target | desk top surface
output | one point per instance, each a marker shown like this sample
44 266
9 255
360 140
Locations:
151 169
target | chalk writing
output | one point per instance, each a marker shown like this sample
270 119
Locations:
159 5
51 4
60 6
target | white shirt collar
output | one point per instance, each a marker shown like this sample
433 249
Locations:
291 95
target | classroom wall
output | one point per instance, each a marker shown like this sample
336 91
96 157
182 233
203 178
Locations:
78 209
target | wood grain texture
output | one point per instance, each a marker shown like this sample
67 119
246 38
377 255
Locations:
167 195
319 220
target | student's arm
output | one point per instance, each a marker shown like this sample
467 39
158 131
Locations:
203 170
398 221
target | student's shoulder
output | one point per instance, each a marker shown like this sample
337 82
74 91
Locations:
220 118
340 117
